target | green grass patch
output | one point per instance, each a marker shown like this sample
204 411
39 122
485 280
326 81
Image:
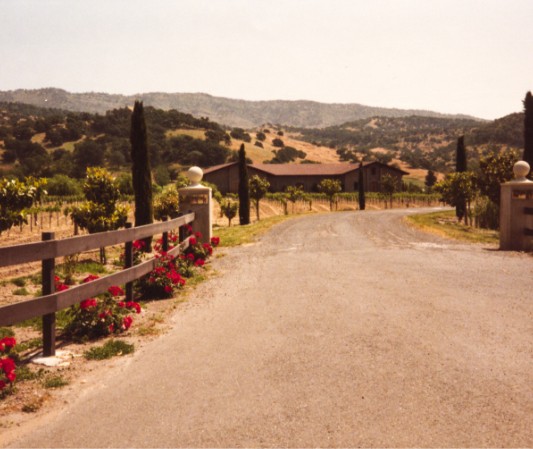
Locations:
25 373
238 235
445 224
110 349
19 282
55 382
6 332
21 291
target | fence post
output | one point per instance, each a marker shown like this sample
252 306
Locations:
128 263
48 287
198 199
164 244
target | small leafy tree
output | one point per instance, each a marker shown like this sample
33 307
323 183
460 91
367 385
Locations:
17 196
330 187
166 204
456 188
430 180
100 212
495 169
294 193
389 185
229 209
258 189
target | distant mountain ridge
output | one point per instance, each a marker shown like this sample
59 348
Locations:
227 111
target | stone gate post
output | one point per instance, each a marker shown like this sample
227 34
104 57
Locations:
198 199
516 211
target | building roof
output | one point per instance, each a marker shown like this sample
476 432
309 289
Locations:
304 169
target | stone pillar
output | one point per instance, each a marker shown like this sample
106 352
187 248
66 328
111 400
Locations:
198 199
516 211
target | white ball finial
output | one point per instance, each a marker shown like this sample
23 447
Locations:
521 170
195 175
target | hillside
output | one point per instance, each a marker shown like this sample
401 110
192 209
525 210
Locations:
421 142
46 141
231 112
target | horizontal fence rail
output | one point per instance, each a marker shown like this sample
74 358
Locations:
31 252
47 305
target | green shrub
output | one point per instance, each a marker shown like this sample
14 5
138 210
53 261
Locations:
486 213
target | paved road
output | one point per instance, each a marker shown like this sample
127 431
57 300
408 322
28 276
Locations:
345 329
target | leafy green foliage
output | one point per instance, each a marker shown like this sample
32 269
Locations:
287 154
240 134
17 196
100 212
495 169
166 204
258 189
458 188
330 187
229 209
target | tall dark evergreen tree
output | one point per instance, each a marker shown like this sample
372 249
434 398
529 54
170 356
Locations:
244 192
460 166
361 187
528 130
141 171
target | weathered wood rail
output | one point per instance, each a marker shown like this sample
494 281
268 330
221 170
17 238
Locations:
49 249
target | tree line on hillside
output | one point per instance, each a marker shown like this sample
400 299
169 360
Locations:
422 142
44 142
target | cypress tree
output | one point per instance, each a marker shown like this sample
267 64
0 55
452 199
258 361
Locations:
460 166
140 171
244 192
361 185
528 129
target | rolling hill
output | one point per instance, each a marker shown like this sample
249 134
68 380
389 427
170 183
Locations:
227 111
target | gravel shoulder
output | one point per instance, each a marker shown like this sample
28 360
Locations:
334 330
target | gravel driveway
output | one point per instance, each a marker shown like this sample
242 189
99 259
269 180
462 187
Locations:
346 329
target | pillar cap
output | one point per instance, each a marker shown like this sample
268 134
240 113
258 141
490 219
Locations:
521 170
195 175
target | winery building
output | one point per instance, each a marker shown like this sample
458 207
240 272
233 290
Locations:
306 176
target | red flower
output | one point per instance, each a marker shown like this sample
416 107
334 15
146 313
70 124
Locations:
192 241
88 303
111 328
115 290
198 235
134 305
190 256
215 241
61 287
122 304
139 244
90 278
2 385
126 322
208 247
11 376
189 229
7 365
168 288
199 263
8 342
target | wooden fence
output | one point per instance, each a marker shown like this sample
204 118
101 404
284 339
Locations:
49 249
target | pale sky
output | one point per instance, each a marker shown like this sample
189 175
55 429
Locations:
452 56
